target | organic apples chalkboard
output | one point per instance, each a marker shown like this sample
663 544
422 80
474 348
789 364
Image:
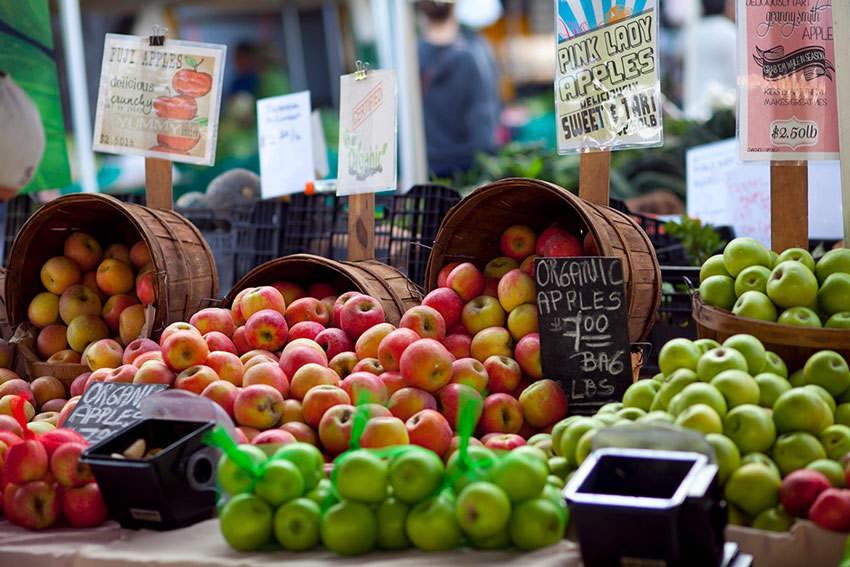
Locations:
584 344
108 407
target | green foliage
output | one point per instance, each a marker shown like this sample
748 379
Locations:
700 241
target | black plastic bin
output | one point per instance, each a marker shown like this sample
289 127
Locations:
173 489
640 506
674 314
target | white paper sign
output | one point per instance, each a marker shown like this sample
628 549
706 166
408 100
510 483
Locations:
320 146
286 144
367 133
723 190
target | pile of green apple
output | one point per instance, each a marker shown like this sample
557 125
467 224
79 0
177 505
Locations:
762 423
391 499
788 288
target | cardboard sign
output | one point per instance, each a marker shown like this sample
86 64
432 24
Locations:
367 133
787 103
159 101
584 344
108 407
723 190
286 144
607 92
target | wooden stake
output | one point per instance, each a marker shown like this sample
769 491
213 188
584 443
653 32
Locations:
789 205
594 176
361 227
841 23
158 184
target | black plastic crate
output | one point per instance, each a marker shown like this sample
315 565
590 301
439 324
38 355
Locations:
310 222
173 489
221 238
674 315
259 233
13 215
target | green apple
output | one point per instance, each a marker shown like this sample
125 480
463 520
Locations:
736 517
584 446
349 528
536 523
834 261
280 482
232 478
799 317
762 460
794 451
771 387
608 418
555 480
660 378
657 416
824 395
296 525
726 455
832 470
842 414
797 255
432 525
678 353
774 259
557 498
801 409
718 291
570 437
797 379
755 305
717 360
640 394
834 294
307 458
558 430
792 284
544 444
752 349
713 267
361 476
392 516
706 345
836 440
753 278
698 393
753 488
631 414
750 427
610 407
246 522
481 458
838 321
323 494
415 474
520 477
738 387
773 520
700 417
559 466
829 370
501 540
744 252
677 382
774 364
482 509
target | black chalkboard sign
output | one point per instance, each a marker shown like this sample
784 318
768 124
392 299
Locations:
107 407
584 343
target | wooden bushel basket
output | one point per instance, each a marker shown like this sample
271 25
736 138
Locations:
185 274
396 293
793 344
470 233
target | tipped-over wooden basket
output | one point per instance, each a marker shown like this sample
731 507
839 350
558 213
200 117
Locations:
395 292
793 344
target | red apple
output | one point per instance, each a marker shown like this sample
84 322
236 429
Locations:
527 265
319 290
527 354
503 441
195 378
443 275
308 377
502 414
394 381
370 365
51 339
66 466
335 428
466 280
446 302
268 373
407 402
456 396
503 374
557 242
83 507
17 387
266 329
25 462
289 290
470 372
429 429
214 319
334 341
302 432
292 411
36 504
800 489
831 510
259 406
138 347
543 403
219 342
393 345
256 299
154 372
183 349
273 437
339 303
227 365
365 387
298 355
517 242
343 363
427 365
359 313
307 309
223 393
58 437
240 342
320 399
455 443
384 432
147 357
307 330
458 344
9 423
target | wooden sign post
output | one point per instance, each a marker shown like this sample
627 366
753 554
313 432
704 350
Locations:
594 176
361 227
841 26
159 189
789 205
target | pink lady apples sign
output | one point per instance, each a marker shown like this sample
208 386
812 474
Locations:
787 102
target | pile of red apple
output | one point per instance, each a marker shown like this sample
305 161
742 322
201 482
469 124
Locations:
43 480
91 293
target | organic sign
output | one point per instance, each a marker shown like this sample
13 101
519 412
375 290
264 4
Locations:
581 305
367 133
108 407
788 108
285 134
607 91
159 101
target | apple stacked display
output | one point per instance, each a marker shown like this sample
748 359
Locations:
764 423
789 288
91 292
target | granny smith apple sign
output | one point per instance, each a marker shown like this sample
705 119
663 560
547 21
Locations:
583 322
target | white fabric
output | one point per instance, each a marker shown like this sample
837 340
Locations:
21 135
711 72
478 14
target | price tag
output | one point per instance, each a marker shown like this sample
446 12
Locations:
159 101
286 144
584 344
787 102
108 407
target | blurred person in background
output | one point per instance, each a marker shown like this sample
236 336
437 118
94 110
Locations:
711 70
460 95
